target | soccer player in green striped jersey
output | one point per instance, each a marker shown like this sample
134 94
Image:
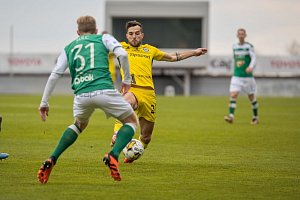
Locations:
242 79
87 60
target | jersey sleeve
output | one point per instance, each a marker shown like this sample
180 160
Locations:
110 42
157 54
57 72
253 57
61 64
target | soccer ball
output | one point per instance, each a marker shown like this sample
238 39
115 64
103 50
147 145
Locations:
133 150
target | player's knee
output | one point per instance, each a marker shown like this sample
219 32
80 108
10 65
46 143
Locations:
130 98
234 96
251 97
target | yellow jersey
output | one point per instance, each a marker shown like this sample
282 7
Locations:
140 61
111 66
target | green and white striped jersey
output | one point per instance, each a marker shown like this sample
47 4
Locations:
244 57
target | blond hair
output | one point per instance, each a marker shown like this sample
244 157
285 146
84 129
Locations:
86 24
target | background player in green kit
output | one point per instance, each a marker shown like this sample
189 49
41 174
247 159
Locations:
242 79
87 59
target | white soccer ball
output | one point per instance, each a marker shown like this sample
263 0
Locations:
133 150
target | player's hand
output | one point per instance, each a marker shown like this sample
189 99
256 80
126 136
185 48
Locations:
125 88
44 112
200 51
249 69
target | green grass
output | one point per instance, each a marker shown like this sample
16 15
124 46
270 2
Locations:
194 154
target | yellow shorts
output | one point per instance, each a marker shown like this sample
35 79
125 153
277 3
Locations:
146 100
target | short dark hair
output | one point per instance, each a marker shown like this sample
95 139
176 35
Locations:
241 29
133 23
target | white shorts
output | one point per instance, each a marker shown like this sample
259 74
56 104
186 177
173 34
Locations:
110 101
245 84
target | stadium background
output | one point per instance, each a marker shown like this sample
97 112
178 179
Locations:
207 75
194 153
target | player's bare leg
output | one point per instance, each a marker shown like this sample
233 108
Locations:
254 103
146 131
145 136
232 106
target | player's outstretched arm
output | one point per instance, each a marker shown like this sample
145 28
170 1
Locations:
57 72
177 56
44 106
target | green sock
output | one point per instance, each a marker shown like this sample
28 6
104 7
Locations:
124 136
232 106
255 108
67 139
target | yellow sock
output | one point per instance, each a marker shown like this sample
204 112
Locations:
117 126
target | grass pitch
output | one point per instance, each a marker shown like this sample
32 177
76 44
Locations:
194 154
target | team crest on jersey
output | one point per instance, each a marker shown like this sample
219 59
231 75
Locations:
146 49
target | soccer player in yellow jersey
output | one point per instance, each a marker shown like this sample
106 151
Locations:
141 95
111 63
